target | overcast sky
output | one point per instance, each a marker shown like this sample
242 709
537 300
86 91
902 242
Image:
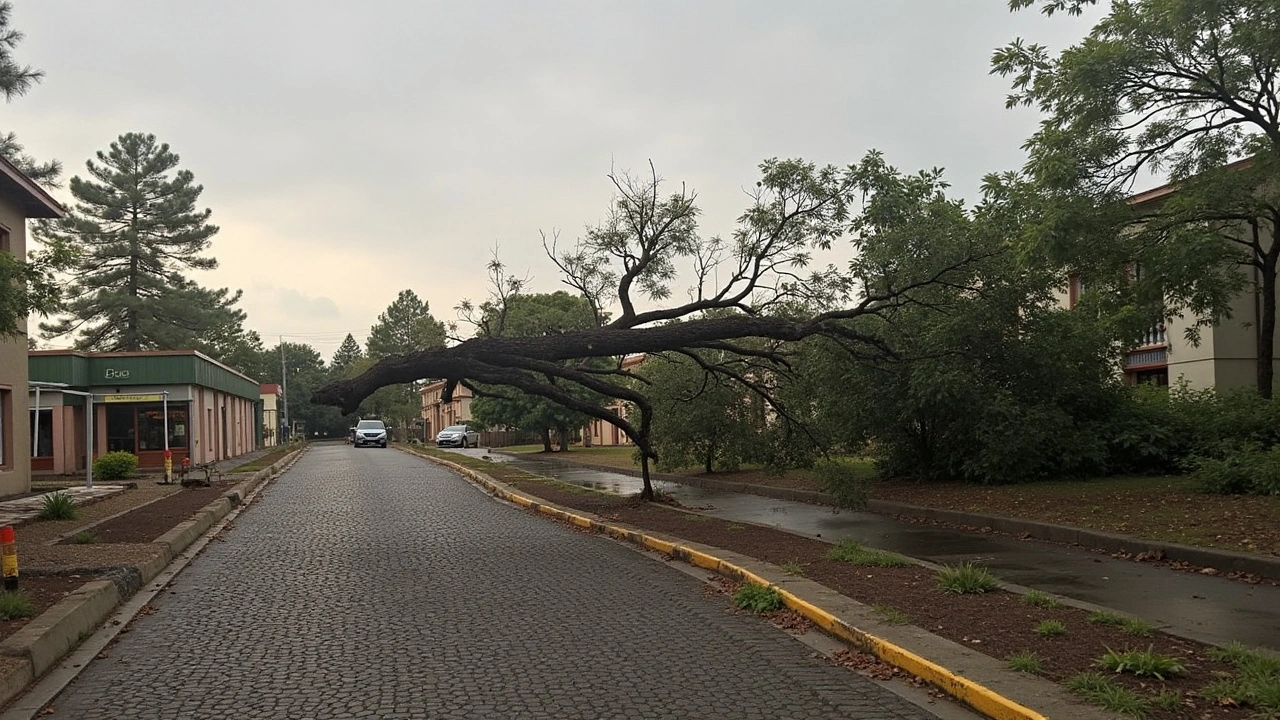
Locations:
351 150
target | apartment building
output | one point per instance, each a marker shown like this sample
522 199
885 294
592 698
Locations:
20 199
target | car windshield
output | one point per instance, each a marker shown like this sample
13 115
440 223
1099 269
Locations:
456 428
371 425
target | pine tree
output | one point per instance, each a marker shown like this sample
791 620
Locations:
15 81
137 223
347 353
405 326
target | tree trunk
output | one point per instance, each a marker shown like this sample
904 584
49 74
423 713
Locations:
1267 318
647 492
711 452
563 436
546 440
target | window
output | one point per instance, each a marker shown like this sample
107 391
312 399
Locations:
140 428
6 429
43 432
5 242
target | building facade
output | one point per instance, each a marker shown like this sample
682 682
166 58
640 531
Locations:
20 198
143 403
601 433
269 395
1225 357
437 414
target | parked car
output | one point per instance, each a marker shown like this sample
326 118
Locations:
458 436
370 432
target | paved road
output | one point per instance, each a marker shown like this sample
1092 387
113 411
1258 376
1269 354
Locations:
367 583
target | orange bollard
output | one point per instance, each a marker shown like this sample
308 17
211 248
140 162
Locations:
9 558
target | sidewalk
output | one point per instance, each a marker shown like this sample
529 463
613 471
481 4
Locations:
13 512
1201 607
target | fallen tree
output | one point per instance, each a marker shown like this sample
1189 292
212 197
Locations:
905 240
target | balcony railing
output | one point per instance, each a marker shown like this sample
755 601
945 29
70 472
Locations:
1153 336
1154 356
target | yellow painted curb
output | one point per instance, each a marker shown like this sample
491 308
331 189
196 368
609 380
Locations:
975 695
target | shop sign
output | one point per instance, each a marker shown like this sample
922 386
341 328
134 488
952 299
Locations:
156 397
113 374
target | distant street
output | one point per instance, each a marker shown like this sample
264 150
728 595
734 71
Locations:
368 583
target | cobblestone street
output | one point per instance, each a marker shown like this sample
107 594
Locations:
368 583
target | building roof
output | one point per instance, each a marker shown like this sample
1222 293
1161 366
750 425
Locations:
149 367
35 202
1163 191
269 388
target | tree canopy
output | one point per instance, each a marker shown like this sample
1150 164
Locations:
137 222
1184 89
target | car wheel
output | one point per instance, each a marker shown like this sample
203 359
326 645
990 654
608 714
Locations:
383 445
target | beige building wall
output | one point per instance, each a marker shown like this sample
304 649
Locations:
15 425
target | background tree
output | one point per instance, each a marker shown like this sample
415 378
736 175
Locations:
405 325
138 224
26 287
535 315
346 354
1175 87
15 80
744 287
700 417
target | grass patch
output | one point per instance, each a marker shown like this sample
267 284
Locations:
1025 661
1128 625
265 461
890 614
1256 683
793 567
1106 693
966 579
58 506
1050 628
757 598
84 537
735 527
1143 663
1035 598
853 553
15 605
1167 700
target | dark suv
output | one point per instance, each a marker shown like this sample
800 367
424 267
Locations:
370 432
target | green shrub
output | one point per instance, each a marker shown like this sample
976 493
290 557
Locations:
1257 682
14 605
757 598
845 480
1142 663
115 465
966 578
853 553
1247 469
58 506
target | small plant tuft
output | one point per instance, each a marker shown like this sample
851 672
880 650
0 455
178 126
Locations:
1143 663
793 567
891 615
1106 618
1026 661
58 506
1050 628
1035 598
1256 685
757 598
966 579
15 605
853 553
1137 628
1107 693
1167 700
85 537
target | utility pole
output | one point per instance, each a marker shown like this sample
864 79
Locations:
284 388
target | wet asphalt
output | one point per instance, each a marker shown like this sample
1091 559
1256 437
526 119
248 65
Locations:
1202 607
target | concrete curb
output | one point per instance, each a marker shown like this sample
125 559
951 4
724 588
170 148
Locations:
42 642
1221 560
981 682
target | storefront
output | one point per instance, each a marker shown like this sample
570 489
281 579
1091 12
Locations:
143 403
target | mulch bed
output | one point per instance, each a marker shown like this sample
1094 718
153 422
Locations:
44 591
997 624
149 522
